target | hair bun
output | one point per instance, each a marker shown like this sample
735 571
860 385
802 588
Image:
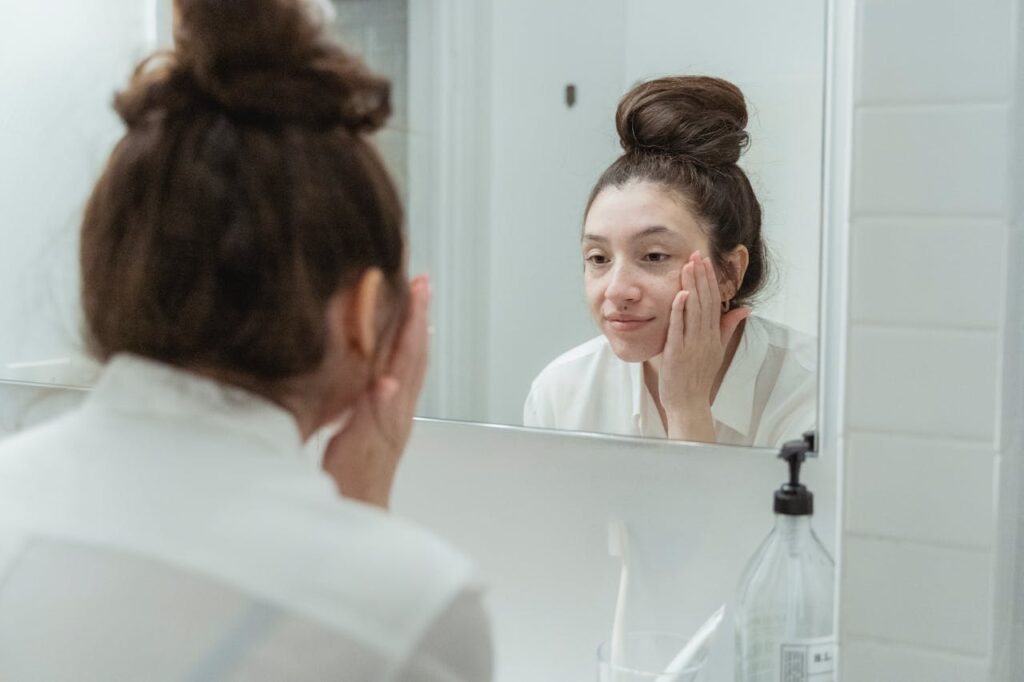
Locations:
260 60
697 117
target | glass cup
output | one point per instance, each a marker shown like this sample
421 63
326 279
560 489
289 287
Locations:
646 657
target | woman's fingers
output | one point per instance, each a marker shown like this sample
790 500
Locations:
676 323
409 360
703 290
693 305
363 456
715 295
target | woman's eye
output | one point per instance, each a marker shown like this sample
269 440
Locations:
596 259
656 257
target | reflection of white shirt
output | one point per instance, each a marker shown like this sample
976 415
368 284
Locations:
165 464
768 394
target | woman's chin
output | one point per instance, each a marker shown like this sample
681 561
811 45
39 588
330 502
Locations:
632 351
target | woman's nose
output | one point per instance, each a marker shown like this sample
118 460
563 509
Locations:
622 286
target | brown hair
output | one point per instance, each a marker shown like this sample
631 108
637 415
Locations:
686 133
243 195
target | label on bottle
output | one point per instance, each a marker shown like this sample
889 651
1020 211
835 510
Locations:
807 660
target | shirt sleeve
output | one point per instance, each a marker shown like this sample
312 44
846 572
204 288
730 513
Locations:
539 410
531 410
456 648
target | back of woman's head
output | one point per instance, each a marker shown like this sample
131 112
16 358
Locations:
242 197
686 134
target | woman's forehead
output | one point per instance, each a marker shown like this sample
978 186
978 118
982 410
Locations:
639 211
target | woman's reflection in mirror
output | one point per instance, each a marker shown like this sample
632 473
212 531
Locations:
673 261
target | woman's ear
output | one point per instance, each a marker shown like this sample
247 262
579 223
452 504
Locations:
736 262
353 314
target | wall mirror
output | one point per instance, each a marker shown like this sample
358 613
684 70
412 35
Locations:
504 119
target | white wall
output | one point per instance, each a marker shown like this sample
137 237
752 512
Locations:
544 158
61 65
932 421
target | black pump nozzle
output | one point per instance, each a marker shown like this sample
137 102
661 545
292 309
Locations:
793 498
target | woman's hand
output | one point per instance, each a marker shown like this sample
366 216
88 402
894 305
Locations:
363 457
698 335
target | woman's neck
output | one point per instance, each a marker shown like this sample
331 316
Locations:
291 395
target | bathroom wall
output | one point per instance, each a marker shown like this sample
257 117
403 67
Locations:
60 67
933 362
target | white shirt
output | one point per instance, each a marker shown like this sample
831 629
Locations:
166 464
768 395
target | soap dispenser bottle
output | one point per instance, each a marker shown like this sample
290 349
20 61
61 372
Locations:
784 625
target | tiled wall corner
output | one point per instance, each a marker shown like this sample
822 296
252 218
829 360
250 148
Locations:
931 461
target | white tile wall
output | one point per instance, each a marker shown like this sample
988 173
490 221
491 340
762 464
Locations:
922 381
885 497
1006 645
931 468
936 272
877 662
931 160
974 42
937 597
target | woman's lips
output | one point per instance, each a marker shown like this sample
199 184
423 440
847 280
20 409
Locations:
626 325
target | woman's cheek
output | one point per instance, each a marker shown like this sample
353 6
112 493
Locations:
662 335
668 290
595 294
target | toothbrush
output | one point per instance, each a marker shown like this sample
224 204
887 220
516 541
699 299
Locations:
702 638
618 546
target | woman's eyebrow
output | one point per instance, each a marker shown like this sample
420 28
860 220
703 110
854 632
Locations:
652 231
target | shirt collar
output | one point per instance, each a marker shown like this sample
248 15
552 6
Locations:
735 400
636 376
646 419
130 383
734 403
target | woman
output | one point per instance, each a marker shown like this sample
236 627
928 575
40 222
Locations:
673 259
242 265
